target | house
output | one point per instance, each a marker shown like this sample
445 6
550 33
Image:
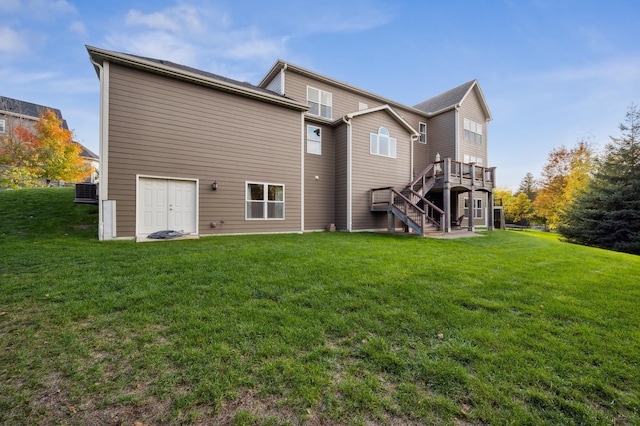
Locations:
14 112
183 149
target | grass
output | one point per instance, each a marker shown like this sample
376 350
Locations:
322 328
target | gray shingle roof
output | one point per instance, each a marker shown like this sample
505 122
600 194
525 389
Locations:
205 74
445 100
28 109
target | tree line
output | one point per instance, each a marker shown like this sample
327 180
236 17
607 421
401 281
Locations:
588 198
37 155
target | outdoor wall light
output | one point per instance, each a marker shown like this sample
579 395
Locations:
214 186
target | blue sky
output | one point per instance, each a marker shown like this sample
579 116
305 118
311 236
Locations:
553 72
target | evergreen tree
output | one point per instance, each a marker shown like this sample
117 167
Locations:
528 186
607 213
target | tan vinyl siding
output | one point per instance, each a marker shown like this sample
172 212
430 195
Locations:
168 128
441 137
340 135
477 194
374 171
420 150
319 194
472 109
343 101
275 85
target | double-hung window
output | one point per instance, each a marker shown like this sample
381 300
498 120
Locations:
264 201
2 126
477 208
423 132
319 102
472 131
314 140
382 143
468 159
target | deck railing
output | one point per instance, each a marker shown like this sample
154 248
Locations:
471 174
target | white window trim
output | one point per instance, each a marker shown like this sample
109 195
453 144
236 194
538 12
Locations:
423 135
468 159
3 126
265 201
314 146
320 104
393 144
473 131
477 208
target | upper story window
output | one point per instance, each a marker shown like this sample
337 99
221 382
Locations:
319 102
264 201
422 129
314 140
472 131
382 143
468 159
2 126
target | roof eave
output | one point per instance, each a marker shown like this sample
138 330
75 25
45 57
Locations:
483 101
141 63
339 83
389 110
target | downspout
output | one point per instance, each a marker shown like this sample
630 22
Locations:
347 121
457 133
282 86
103 151
302 141
412 170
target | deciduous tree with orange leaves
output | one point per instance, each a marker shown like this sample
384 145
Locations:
566 173
36 157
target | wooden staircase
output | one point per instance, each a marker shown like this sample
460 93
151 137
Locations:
410 205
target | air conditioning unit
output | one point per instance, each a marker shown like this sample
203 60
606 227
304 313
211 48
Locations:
86 193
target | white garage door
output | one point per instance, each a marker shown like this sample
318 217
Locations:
166 204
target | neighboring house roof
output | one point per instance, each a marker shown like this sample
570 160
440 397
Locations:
87 153
452 98
193 75
18 108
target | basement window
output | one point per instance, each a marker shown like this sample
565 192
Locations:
264 201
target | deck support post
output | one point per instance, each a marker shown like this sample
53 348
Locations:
490 211
471 208
390 220
446 195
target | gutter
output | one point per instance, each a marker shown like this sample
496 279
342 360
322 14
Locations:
347 121
141 63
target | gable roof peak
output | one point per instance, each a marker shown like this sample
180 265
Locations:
449 99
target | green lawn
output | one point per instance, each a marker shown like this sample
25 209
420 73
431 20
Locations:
322 328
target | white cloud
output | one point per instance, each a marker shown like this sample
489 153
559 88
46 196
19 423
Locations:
20 77
193 36
156 44
12 41
78 27
620 70
179 19
258 48
45 10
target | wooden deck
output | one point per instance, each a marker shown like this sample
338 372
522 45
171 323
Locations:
411 206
